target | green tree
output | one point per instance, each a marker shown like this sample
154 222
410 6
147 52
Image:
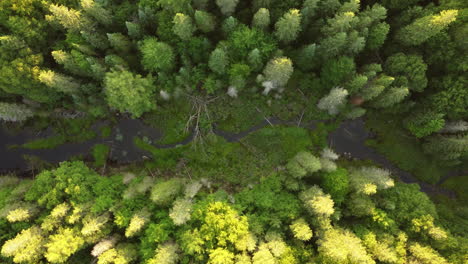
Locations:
278 71
426 27
59 81
390 97
336 71
377 35
205 21
218 61
163 193
424 123
336 183
227 6
183 26
334 101
15 112
69 18
131 93
302 164
261 19
301 229
409 71
157 56
288 27
167 253
119 42
449 149
97 11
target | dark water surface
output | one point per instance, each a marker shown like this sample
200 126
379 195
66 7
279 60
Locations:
348 140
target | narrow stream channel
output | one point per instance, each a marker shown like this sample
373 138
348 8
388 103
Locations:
348 140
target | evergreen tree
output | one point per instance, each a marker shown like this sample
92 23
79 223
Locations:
336 183
227 6
97 11
59 81
447 148
157 56
424 123
377 35
205 21
426 27
15 112
218 61
134 29
127 92
119 42
425 254
255 60
390 97
409 71
334 101
183 26
261 19
306 57
69 18
288 27
164 193
278 71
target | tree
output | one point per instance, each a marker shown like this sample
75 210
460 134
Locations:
59 81
377 35
306 56
390 97
205 21
157 56
69 18
288 27
181 211
338 246
167 253
27 246
218 61
221 256
317 202
131 93
183 26
255 60
227 6
137 223
15 112
336 183
163 193
367 180
302 164
336 71
426 27
278 71
424 123
134 29
263 256
301 229
97 11
104 245
119 42
63 244
124 253
334 101
425 254
449 149
409 71
261 19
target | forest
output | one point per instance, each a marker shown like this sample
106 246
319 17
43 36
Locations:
234 132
